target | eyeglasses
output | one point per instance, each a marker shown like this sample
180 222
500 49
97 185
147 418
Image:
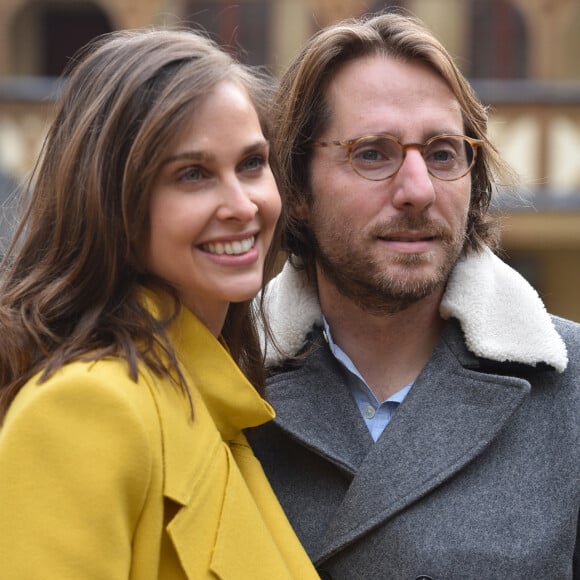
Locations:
378 157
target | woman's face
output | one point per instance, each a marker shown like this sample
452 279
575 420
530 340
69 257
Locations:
214 207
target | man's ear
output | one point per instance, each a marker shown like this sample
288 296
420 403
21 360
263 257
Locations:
301 209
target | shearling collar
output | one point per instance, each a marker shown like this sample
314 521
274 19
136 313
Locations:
501 315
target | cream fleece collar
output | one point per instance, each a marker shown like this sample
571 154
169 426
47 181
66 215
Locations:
501 315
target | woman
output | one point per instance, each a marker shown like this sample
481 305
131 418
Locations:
151 210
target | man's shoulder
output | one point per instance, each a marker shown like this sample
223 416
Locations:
310 356
569 330
566 326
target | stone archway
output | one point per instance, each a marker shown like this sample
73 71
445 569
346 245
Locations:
45 34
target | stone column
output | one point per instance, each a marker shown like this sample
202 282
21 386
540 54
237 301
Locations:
548 22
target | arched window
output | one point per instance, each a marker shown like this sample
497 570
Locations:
244 27
498 40
47 33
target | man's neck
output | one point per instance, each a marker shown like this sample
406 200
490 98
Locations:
389 350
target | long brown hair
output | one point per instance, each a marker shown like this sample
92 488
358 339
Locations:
302 114
71 278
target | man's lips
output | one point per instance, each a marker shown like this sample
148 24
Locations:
407 243
411 238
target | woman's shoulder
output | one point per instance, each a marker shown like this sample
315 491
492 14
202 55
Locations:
103 387
109 377
101 396
84 417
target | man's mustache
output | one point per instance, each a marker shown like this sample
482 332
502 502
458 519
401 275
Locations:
427 227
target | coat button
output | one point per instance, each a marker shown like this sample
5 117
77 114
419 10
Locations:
423 577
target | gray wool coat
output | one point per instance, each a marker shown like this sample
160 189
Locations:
477 476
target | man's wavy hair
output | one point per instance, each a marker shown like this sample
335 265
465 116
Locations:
302 113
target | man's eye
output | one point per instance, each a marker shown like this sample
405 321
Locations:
376 150
370 155
442 155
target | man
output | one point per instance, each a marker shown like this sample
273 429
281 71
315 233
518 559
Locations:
427 405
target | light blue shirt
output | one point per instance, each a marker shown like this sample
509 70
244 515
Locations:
375 414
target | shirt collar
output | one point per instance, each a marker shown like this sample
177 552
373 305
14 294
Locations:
345 360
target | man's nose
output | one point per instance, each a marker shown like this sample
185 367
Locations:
414 190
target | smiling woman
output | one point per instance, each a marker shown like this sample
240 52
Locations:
214 207
124 308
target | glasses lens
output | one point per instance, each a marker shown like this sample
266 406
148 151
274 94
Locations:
448 158
376 157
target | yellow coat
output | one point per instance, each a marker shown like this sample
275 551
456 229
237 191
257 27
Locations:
102 478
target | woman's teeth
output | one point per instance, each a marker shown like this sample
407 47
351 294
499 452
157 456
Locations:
230 248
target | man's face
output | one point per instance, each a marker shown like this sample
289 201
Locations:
386 244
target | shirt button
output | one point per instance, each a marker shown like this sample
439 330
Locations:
369 412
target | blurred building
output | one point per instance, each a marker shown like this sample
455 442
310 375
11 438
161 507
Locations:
522 56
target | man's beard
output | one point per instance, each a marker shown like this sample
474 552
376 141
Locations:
372 284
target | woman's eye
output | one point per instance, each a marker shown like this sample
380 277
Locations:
254 163
191 174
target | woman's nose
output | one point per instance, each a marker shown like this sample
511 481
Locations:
237 203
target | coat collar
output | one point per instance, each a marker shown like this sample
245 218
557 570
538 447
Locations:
336 431
451 415
224 402
501 315
232 401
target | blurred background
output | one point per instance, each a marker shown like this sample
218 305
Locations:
521 56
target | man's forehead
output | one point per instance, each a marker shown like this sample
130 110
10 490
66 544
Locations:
369 92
